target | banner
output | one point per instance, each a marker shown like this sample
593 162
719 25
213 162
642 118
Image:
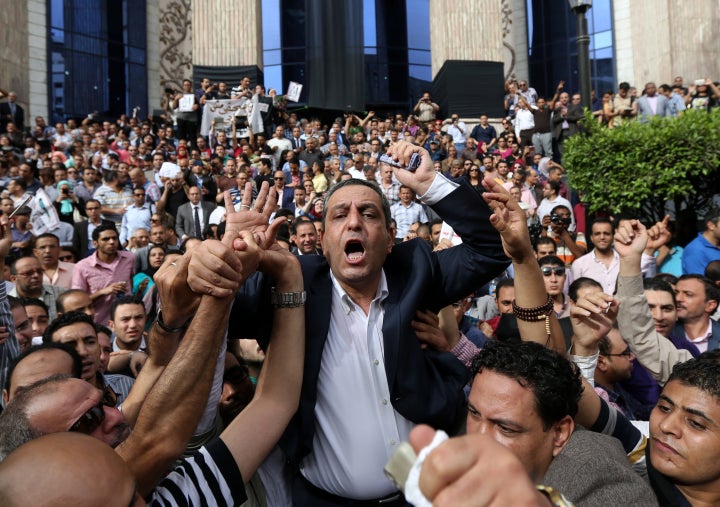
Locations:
293 92
44 217
226 109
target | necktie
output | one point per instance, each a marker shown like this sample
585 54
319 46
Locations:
198 230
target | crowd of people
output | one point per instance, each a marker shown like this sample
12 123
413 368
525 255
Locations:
265 313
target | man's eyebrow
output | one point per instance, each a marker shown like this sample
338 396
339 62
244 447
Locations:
693 411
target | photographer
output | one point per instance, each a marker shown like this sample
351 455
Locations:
426 109
66 203
570 246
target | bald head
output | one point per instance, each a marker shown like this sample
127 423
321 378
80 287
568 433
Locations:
76 470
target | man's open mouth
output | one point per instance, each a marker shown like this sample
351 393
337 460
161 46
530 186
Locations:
354 250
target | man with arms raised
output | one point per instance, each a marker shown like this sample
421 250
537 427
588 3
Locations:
174 405
367 378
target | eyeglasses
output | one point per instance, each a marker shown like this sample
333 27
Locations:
468 163
625 353
94 417
66 258
279 179
474 169
28 274
557 270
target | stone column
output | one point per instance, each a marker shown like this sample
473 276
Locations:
227 33
466 43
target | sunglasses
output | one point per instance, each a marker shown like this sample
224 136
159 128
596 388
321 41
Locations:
66 258
558 270
94 417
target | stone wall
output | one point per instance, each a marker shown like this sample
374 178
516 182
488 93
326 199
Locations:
14 51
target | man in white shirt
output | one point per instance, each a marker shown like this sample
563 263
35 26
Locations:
278 144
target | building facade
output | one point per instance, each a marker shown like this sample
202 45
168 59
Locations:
68 58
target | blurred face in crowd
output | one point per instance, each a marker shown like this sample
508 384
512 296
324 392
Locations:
663 309
617 365
602 237
306 237
504 299
692 303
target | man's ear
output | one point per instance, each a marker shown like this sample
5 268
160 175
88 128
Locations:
562 430
602 363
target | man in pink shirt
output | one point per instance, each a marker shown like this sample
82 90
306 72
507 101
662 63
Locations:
106 273
55 272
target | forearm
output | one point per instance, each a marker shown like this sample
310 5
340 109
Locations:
656 353
174 405
533 294
574 248
254 432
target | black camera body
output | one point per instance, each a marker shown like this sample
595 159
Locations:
558 220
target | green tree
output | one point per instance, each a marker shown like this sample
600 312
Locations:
639 167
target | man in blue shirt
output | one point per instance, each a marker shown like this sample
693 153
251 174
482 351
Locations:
705 248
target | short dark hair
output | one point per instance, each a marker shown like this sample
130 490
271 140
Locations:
355 181
660 285
554 185
667 278
64 320
125 300
544 240
13 266
35 302
581 283
77 362
47 235
102 228
602 220
702 372
712 293
505 282
712 270
550 260
624 86
554 381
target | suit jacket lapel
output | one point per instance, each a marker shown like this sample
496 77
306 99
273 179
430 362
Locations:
391 329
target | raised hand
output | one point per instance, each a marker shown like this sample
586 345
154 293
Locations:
255 219
509 219
630 239
420 180
592 317
658 235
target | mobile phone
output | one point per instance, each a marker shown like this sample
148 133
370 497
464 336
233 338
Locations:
412 166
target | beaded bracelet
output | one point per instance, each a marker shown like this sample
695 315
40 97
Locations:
536 314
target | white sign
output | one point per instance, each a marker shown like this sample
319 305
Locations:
227 109
447 232
293 92
44 217
186 103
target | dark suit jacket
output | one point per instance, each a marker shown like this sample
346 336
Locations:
426 386
184 219
287 198
574 114
18 120
81 245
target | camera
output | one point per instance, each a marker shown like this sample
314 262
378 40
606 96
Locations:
558 220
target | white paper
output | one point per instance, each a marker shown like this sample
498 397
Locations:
186 103
293 92
448 233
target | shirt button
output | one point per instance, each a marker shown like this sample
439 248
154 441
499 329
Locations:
392 442
376 362
384 402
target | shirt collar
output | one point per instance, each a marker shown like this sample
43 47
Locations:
346 301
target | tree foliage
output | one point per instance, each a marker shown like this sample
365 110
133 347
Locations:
639 167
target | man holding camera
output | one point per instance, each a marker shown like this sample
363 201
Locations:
426 109
556 225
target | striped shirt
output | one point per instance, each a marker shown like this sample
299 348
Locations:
209 477
11 348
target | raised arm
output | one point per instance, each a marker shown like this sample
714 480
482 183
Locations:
655 352
254 432
9 348
533 308
173 407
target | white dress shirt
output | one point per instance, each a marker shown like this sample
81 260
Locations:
356 427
